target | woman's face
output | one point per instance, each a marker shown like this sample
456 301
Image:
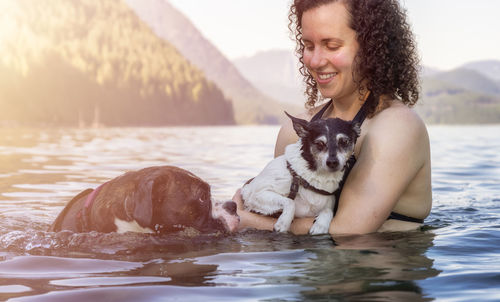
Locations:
330 49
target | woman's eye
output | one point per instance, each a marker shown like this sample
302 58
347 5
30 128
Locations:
308 47
332 47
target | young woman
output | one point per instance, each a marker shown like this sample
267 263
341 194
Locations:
361 55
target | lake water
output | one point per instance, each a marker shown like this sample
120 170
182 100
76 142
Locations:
455 257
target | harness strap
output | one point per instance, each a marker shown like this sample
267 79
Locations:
84 214
298 181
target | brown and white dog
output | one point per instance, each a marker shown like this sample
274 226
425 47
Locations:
162 199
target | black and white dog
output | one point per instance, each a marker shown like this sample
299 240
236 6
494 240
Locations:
301 183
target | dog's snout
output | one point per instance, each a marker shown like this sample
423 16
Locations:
230 207
332 163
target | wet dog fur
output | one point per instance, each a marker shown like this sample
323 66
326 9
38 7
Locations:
320 157
163 199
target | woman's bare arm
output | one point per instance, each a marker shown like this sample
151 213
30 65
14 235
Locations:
256 221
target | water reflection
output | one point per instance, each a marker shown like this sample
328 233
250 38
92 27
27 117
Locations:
368 267
372 267
40 170
267 264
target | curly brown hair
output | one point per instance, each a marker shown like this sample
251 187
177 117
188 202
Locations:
387 59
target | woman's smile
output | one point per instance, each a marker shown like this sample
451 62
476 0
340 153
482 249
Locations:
324 78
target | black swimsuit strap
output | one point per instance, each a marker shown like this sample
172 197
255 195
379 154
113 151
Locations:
402 217
360 116
320 113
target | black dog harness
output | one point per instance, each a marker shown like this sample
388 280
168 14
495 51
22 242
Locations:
298 181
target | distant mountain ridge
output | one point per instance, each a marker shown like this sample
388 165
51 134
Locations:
469 94
466 95
489 68
469 79
68 63
284 82
250 104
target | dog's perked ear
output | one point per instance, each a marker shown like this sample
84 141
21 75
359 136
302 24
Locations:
139 207
299 125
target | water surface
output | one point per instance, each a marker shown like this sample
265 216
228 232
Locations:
455 257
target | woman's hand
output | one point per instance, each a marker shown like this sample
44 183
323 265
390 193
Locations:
249 219
238 200
260 222
240 209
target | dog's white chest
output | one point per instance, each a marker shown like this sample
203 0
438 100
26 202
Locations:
308 203
123 226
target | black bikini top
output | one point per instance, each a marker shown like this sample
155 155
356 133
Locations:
359 118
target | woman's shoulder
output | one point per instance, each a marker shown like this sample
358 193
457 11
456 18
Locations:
397 126
286 135
396 117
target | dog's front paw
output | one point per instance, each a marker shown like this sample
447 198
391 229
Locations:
319 228
322 222
282 225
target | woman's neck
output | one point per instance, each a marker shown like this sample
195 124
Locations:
347 108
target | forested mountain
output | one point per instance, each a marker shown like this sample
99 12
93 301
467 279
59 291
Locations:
250 104
78 62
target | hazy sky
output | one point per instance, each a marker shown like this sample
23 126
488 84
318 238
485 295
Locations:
449 32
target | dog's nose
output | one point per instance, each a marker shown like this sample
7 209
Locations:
230 207
332 163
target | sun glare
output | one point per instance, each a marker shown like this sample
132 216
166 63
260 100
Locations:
7 22
7 25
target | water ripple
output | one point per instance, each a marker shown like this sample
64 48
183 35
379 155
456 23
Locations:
454 257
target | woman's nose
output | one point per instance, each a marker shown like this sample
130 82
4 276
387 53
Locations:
317 59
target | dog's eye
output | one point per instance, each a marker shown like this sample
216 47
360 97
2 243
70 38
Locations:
320 146
343 143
